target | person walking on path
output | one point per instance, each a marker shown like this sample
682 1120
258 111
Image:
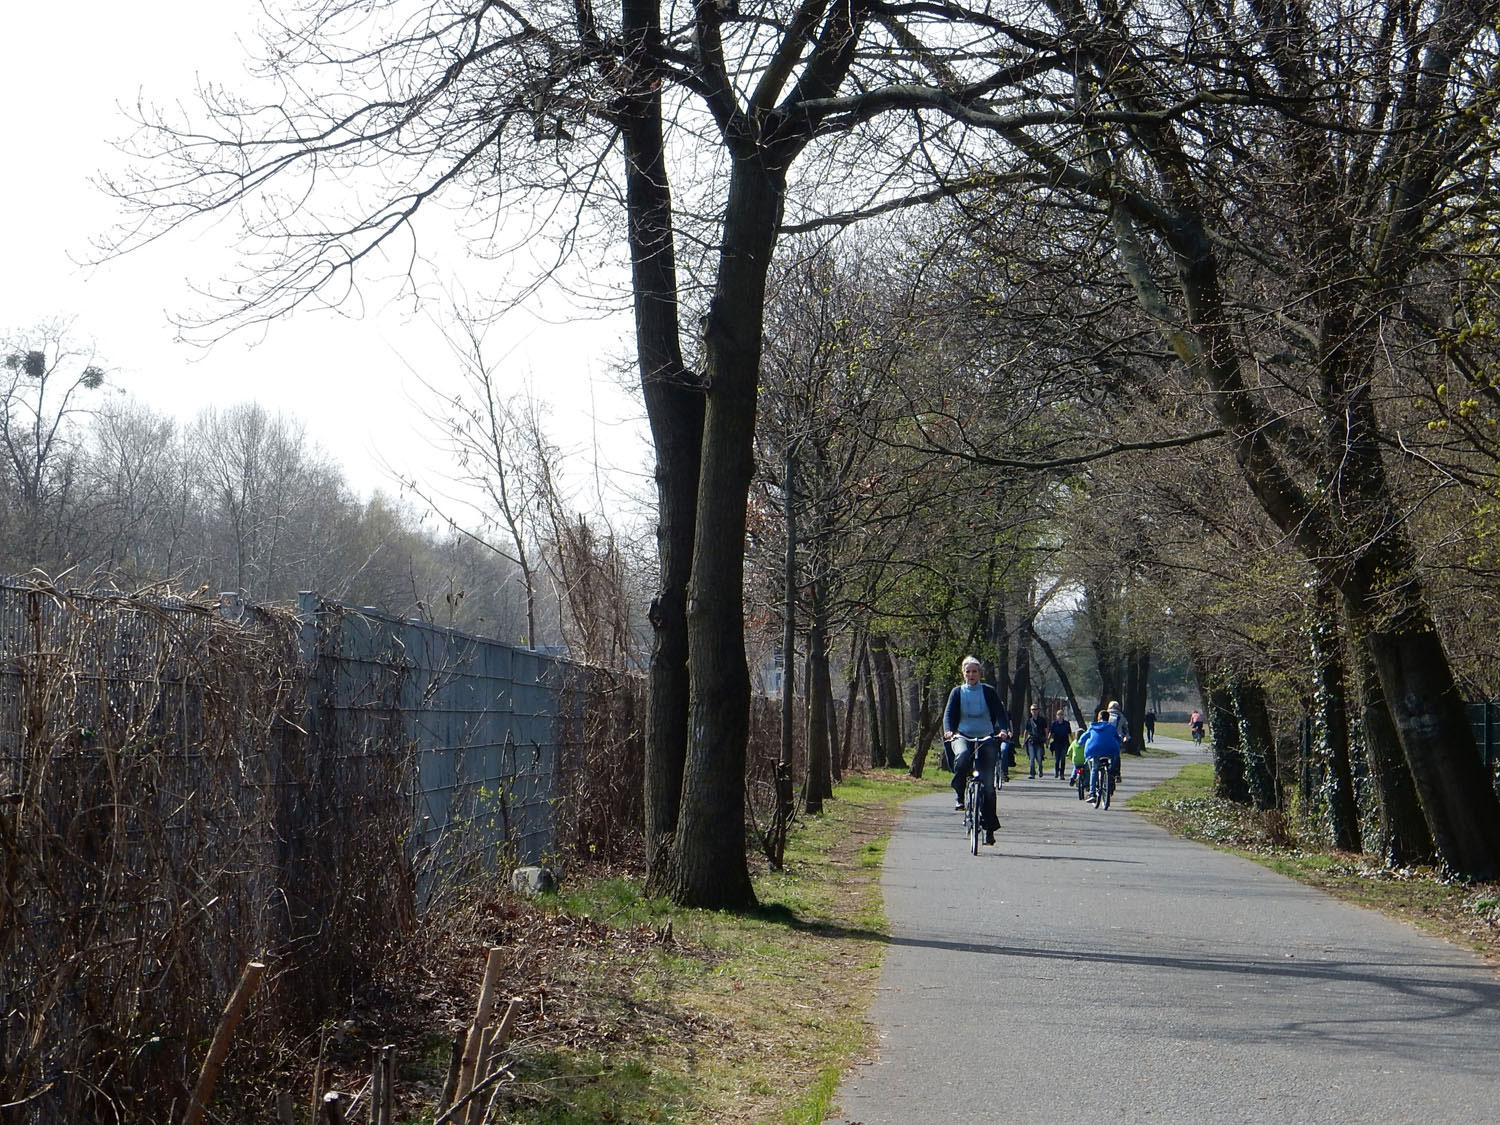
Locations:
1149 722
1061 734
974 715
1036 743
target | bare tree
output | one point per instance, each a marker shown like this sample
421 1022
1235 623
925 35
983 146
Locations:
43 385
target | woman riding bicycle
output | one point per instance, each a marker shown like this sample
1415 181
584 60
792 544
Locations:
973 715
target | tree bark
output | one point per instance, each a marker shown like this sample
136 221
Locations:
851 696
1402 835
818 783
1230 781
872 709
710 862
674 409
1331 718
1258 741
888 703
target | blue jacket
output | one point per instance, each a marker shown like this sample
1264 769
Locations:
1101 740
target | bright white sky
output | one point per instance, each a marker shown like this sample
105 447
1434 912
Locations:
67 69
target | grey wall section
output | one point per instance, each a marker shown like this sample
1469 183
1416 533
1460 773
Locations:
478 717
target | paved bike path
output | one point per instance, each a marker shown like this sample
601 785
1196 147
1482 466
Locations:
1226 992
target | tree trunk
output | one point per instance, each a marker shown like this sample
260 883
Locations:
1258 741
1402 835
789 610
1230 782
1133 705
818 783
710 862
1424 704
1020 691
1104 638
888 703
872 710
674 408
928 724
851 696
1332 718
1000 638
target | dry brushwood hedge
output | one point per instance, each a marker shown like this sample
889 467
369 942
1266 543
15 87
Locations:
157 831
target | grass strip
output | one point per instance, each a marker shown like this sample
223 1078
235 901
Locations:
729 1017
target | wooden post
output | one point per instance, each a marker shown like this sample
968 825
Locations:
377 1085
482 1012
284 1112
384 1108
455 1061
220 1045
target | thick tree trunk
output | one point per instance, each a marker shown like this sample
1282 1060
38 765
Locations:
1258 741
674 408
1331 719
1000 638
1230 782
818 784
1020 690
888 703
709 861
1402 835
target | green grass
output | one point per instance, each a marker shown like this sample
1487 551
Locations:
745 1017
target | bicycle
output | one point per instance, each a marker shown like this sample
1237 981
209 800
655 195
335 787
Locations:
1101 792
974 797
973 813
1198 735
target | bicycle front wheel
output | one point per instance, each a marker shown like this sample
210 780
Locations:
976 816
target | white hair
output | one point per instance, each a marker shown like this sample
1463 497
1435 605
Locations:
966 661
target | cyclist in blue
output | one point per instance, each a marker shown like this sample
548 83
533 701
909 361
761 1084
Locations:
1102 740
974 712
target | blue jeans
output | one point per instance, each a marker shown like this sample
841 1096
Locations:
963 765
1036 759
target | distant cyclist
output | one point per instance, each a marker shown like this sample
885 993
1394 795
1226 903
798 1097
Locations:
975 712
1195 724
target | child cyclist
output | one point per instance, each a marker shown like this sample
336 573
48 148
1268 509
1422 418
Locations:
1077 755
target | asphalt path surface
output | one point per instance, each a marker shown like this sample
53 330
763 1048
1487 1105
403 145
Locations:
1212 989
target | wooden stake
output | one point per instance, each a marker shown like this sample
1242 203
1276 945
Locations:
482 1012
219 1048
455 1060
